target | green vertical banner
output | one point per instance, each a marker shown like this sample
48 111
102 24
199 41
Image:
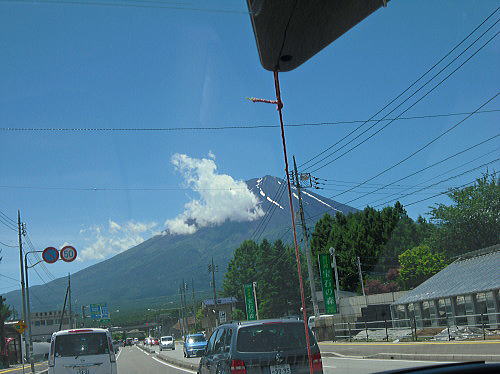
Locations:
325 268
249 302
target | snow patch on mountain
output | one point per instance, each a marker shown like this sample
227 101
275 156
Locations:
321 201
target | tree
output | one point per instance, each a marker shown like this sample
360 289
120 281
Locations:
239 315
242 269
472 221
418 264
362 234
5 313
273 267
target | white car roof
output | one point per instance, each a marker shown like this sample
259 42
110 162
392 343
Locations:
80 331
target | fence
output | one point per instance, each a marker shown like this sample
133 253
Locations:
470 326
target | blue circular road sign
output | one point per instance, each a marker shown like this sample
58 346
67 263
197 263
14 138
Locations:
50 255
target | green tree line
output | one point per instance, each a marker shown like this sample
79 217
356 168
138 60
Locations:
396 252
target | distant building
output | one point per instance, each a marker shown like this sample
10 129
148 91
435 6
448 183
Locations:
43 324
463 293
223 311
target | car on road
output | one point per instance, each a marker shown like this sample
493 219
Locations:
128 342
82 351
167 342
155 341
265 346
194 345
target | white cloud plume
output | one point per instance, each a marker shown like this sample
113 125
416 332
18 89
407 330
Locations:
113 239
221 198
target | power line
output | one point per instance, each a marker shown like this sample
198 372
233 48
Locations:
127 5
227 127
6 276
96 189
439 194
8 245
440 175
429 166
415 152
412 105
253 236
273 209
6 217
406 90
444 180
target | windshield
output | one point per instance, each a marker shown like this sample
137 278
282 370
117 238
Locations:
195 339
272 337
171 168
81 345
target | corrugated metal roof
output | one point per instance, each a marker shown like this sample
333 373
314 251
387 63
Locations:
464 276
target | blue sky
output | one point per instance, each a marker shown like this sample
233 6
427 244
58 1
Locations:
121 67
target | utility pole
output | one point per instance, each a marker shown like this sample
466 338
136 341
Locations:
310 269
254 285
337 284
212 268
194 303
69 296
21 230
28 312
361 280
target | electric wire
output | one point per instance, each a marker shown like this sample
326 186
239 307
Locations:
414 153
408 108
384 186
437 176
407 89
445 180
127 5
228 127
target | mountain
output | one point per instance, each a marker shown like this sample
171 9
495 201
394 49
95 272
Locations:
150 273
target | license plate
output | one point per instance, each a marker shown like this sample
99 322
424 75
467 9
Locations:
280 369
82 371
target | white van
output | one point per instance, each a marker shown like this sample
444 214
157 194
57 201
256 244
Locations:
82 351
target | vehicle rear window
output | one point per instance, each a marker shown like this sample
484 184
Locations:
196 339
81 344
166 339
272 337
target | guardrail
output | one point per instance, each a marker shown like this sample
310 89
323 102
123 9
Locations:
463 327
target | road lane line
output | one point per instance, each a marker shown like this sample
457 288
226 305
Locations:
119 352
26 368
172 366
384 359
412 343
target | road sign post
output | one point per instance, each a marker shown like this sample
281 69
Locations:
50 255
68 253
327 283
249 302
20 326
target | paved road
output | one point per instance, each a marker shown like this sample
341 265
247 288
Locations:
132 360
434 348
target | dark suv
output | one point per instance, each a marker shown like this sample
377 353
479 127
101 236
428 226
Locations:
260 347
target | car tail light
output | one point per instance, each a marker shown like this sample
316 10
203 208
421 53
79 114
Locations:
112 357
238 367
316 362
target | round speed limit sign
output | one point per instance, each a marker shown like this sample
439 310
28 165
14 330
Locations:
68 253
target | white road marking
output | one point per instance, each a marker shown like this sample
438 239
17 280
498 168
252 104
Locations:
382 359
172 366
119 352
